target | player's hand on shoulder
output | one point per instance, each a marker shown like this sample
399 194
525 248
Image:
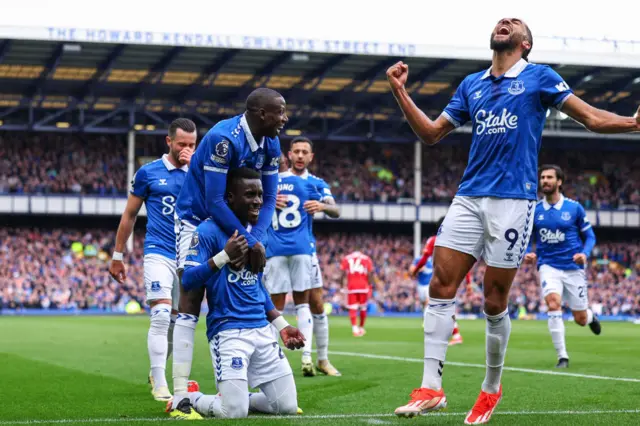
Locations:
237 248
397 75
117 271
281 201
580 258
312 207
530 258
292 337
257 258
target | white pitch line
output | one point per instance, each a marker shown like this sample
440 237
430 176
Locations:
321 417
464 364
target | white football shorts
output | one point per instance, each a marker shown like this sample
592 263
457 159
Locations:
316 273
183 230
283 274
248 354
423 293
161 279
571 285
494 229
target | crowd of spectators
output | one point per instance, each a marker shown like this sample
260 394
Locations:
357 172
67 270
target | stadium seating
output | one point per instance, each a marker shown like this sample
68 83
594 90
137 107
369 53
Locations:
360 172
67 269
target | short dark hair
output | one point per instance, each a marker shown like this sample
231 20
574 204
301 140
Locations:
260 98
558 170
235 175
185 124
298 139
529 38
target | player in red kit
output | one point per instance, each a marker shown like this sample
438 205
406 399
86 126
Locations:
357 271
427 252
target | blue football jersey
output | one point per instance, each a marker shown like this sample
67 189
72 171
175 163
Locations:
508 115
424 274
228 145
158 183
557 230
325 192
236 299
289 234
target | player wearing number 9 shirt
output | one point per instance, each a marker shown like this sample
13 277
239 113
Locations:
491 215
157 184
289 249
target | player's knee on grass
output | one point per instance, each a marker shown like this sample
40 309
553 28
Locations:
316 302
282 395
580 317
553 302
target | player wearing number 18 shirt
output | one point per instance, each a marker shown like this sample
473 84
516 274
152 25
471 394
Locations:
562 255
289 255
157 185
491 216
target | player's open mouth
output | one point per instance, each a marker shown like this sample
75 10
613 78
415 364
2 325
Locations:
504 30
279 129
254 212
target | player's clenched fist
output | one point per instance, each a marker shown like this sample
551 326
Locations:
292 337
237 248
117 271
397 75
185 156
530 258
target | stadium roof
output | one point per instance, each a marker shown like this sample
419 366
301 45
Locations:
92 87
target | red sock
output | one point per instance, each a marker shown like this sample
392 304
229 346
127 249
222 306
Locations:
353 314
363 317
456 330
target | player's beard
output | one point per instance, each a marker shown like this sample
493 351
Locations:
176 156
503 45
548 190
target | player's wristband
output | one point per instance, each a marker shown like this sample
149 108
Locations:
117 256
221 259
280 323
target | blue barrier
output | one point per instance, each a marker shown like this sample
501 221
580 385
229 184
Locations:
99 312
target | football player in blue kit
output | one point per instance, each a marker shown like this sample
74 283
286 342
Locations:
157 185
289 248
241 316
491 216
247 140
560 224
301 155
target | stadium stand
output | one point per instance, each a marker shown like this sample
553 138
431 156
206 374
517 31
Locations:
66 269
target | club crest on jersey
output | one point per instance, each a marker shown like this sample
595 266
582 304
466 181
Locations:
259 161
195 240
236 363
163 182
566 216
155 286
516 87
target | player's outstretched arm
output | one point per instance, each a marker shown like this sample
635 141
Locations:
270 191
127 221
429 131
598 120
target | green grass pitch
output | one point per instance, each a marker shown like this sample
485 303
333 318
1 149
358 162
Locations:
93 370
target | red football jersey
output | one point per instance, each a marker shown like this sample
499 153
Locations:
357 265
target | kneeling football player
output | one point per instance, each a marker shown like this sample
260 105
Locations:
243 346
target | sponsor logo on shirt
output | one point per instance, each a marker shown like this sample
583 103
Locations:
490 123
244 277
551 237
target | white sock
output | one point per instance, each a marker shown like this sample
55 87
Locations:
355 328
305 325
170 335
438 325
183 337
556 328
206 405
157 343
321 333
498 331
589 316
